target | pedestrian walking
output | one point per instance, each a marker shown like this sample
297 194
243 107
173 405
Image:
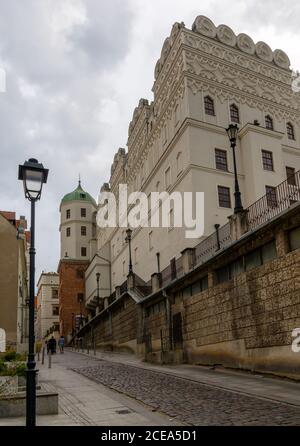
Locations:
52 345
61 344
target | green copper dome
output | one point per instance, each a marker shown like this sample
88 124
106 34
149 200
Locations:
79 195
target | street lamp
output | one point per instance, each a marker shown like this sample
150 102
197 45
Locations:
232 132
98 293
128 240
33 175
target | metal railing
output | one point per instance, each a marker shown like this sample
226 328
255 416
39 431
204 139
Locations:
275 201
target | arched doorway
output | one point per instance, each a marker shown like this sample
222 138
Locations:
2 340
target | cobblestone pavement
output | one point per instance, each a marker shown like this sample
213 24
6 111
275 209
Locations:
191 402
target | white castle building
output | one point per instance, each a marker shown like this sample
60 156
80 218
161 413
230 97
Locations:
206 78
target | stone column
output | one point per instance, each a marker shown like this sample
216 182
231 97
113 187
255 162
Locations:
118 292
130 281
238 224
188 259
282 245
155 282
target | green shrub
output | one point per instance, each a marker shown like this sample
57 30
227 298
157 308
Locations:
10 355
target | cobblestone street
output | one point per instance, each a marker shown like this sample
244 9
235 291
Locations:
191 402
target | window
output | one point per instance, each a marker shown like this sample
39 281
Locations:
209 106
224 197
252 260
179 162
267 158
234 113
176 115
68 213
83 212
80 274
271 196
221 159
68 232
269 122
269 252
171 219
80 298
165 134
83 252
290 131
55 293
168 177
290 174
150 240
294 239
136 255
83 230
55 310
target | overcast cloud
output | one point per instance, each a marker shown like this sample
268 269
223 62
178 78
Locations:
75 71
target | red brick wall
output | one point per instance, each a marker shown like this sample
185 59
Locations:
70 285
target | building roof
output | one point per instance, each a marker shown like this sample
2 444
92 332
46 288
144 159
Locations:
78 195
10 216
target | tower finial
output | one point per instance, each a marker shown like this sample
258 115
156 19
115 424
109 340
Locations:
79 180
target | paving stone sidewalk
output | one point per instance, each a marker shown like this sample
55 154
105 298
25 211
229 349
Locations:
191 402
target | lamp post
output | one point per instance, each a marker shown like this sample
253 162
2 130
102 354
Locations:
33 175
98 289
128 240
232 132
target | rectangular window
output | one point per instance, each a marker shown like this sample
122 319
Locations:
267 158
290 174
204 283
269 252
150 240
83 252
83 212
271 196
253 259
83 230
68 213
55 293
221 159
55 310
223 274
294 239
68 232
236 267
136 255
168 177
224 197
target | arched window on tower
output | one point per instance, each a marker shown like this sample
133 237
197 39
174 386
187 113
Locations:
290 131
269 122
234 113
209 106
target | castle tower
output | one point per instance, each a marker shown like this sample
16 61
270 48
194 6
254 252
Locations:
77 241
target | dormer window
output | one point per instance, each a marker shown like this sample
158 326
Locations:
82 196
234 113
209 106
269 122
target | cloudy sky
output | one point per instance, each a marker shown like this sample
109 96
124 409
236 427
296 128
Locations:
75 71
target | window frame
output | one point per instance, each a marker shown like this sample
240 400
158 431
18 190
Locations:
234 113
268 163
218 160
209 106
229 196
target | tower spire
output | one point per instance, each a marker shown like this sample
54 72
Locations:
79 180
